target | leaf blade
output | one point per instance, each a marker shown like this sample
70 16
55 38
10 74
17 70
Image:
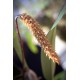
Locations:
48 71
17 47
62 12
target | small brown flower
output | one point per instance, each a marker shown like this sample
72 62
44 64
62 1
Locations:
39 34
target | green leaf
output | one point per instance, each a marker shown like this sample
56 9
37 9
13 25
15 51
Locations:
31 45
48 67
60 76
17 47
62 12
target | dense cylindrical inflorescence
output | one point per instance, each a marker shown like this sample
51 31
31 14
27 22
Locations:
39 34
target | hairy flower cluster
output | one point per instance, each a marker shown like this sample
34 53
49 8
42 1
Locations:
39 34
